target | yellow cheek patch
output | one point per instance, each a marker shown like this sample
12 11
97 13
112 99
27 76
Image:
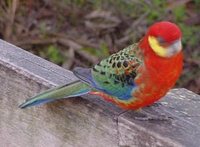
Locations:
154 44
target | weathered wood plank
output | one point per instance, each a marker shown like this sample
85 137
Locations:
83 122
64 123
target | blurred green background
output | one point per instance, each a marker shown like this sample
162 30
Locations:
81 32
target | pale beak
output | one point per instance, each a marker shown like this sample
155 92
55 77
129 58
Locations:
175 48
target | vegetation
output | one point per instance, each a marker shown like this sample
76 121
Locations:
82 32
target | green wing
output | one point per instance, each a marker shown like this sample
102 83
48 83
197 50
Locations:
115 75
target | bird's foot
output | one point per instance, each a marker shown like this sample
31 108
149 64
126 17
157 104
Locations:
153 118
156 104
143 115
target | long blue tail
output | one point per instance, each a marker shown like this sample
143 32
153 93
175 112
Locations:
76 88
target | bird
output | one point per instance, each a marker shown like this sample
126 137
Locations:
135 77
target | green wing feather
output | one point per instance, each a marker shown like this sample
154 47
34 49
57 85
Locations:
115 75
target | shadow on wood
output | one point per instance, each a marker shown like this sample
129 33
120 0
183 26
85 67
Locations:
87 121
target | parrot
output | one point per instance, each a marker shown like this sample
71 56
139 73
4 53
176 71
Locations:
135 77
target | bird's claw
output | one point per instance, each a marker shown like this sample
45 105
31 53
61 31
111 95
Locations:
154 118
146 116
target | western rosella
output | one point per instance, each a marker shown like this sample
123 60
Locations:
133 78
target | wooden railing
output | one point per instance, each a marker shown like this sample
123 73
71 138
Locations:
84 121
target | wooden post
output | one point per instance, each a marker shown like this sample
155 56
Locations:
84 121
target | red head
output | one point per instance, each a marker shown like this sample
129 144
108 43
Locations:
164 38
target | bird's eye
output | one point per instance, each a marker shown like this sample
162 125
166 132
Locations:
162 42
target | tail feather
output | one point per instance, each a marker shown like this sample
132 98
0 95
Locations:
76 88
